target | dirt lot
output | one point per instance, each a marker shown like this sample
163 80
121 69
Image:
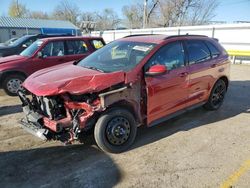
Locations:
197 149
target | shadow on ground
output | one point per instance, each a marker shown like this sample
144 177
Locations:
86 166
71 166
7 110
236 102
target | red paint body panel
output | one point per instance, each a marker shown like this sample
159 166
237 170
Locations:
166 94
72 79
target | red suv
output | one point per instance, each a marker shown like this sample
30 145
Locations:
41 54
133 81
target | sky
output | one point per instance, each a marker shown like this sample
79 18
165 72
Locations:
228 10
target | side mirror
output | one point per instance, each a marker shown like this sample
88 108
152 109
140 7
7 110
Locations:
156 70
40 55
24 46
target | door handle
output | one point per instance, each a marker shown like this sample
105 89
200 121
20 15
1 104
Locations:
183 74
213 65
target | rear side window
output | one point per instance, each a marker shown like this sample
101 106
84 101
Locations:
53 49
97 43
76 47
198 52
214 51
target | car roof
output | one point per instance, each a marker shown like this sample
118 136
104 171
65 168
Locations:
69 38
157 39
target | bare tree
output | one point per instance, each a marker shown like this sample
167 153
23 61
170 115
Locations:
187 12
17 9
88 16
133 15
202 13
107 19
38 15
165 13
66 10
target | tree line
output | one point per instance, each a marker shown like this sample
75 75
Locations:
143 13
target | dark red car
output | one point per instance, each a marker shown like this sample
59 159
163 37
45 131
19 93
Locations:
41 54
137 80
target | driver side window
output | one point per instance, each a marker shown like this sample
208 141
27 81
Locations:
171 55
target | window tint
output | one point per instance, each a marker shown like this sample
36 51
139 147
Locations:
214 51
53 49
197 51
171 55
97 44
76 47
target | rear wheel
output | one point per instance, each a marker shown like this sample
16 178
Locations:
115 131
12 84
217 96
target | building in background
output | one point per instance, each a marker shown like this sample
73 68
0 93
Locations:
17 27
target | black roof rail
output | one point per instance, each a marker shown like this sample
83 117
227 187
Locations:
138 35
187 35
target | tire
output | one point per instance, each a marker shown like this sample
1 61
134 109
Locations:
115 130
217 96
12 83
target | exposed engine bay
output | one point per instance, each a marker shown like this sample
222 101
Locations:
66 117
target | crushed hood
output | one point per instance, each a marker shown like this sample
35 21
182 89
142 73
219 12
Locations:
12 58
72 79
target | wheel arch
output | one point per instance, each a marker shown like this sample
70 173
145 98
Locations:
225 79
128 106
5 74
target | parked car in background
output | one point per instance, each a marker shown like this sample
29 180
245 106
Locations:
8 42
20 44
41 54
130 82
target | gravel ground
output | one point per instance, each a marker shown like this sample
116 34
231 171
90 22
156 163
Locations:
197 149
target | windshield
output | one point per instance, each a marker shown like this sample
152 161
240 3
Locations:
19 41
117 56
32 48
10 41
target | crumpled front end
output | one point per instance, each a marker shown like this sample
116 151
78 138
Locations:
58 117
66 116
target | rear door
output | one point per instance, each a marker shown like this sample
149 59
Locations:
76 49
200 70
167 93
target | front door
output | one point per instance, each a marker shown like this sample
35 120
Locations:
167 93
53 54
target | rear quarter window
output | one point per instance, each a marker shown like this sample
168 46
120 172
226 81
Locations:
198 52
97 43
213 49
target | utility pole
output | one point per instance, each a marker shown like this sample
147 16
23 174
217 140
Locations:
145 13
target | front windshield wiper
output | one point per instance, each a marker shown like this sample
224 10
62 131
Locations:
93 68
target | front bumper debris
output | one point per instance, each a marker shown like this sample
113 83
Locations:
34 130
32 122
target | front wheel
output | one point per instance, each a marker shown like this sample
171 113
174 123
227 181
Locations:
217 96
12 84
115 130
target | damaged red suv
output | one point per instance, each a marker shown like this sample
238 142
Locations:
133 81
